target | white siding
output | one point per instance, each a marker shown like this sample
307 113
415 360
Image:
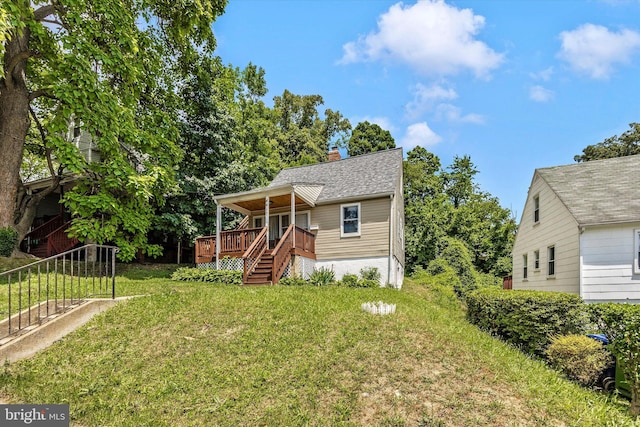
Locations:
607 256
556 227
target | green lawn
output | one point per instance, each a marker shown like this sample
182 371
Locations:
217 355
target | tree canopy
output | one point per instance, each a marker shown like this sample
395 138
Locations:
627 144
369 138
109 67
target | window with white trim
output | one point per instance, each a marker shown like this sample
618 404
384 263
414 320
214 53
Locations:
525 262
536 260
536 209
551 261
636 251
350 220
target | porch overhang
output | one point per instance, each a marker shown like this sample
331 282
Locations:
279 196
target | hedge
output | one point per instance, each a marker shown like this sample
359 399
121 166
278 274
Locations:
186 274
526 319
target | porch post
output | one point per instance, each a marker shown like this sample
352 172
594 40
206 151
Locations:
266 218
293 215
218 226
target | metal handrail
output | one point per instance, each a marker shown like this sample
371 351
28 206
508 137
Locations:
55 284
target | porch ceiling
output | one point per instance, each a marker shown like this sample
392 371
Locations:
280 196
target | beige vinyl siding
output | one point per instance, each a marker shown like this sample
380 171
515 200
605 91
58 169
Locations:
398 227
374 236
557 228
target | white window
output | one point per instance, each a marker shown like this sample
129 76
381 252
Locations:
536 209
302 219
257 222
350 220
525 262
536 260
551 261
636 251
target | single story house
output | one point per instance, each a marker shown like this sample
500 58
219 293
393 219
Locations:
344 215
580 231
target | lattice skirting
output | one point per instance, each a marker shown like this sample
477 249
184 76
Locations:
225 264
304 266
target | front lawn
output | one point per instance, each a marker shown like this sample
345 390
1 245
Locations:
190 354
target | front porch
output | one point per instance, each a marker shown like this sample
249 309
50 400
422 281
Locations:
279 233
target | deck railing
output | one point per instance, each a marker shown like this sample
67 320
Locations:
282 253
233 242
51 286
305 240
58 241
253 254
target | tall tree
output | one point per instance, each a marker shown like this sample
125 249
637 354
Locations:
304 136
109 66
369 138
626 144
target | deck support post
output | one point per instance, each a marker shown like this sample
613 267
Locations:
218 226
266 218
293 215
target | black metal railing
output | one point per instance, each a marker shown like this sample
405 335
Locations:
36 292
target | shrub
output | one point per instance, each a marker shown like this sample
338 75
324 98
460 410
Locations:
579 357
437 266
8 241
621 324
368 283
186 274
370 273
322 276
293 281
458 257
527 319
350 280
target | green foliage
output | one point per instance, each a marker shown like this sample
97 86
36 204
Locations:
187 274
441 204
293 281
527 319
8 241
370 273
626 144
457 256
621 324
350 280
369 138
322 276
579 357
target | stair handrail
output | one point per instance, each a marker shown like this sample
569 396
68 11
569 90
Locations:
243 224
253 253
205 248
58 241
43 230
282 253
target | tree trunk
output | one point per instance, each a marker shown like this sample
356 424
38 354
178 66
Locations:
14 125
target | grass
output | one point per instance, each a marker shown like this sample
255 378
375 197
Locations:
190 354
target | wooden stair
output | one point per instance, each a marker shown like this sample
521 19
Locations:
263 274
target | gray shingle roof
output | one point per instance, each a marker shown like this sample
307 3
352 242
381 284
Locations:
359 176
600 191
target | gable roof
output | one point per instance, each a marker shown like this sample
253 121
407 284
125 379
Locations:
600 191
365 176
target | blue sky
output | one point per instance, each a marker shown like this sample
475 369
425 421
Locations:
515 85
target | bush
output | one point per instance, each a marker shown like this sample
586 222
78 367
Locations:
579 357
527 319
350 280
186 274
8 241
322 277
370 273
293 281
621 324
368 283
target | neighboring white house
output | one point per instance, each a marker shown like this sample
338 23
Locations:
344 215
580 231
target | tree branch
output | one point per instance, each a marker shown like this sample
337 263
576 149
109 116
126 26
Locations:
43 136
41 13
40 92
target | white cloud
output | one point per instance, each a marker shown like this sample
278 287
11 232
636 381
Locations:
544 75
383 122
424 98
419 134
540 94
594 50
453 114
430 36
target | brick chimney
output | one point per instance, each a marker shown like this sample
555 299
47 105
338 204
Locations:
334 154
